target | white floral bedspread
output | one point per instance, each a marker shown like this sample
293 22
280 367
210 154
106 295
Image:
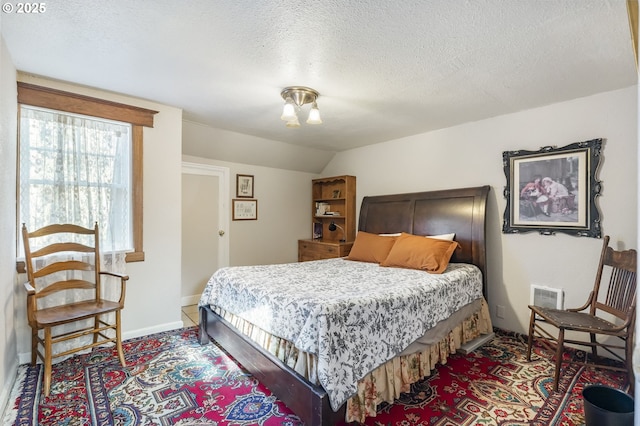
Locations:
353 315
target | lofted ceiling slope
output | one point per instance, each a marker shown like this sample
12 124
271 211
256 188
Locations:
384 69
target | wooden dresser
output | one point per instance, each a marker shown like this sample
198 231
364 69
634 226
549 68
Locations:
319 249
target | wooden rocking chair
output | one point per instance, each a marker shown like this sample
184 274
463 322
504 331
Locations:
45 319
609 312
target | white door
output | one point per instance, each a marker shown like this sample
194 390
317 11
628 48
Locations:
205 239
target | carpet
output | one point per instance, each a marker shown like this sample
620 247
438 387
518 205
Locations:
495 385
171 380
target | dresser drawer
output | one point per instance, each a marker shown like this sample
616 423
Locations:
316 250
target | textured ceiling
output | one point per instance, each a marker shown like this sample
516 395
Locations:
384 69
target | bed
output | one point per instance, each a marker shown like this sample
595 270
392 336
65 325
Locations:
457 211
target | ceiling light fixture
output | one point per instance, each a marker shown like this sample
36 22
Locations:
294 98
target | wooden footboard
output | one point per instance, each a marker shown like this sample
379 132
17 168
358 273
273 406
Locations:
309 402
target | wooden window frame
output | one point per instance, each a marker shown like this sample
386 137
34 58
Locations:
46 97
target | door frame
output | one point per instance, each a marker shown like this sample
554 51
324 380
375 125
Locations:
223 209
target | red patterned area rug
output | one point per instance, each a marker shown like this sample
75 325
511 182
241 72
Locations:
170 379
495 385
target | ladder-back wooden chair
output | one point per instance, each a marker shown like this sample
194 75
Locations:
77 269
608 317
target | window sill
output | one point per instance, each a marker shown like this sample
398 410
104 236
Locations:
134 256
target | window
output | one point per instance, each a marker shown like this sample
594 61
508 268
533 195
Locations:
81 162
76 169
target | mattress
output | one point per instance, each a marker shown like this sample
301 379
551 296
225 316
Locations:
351 316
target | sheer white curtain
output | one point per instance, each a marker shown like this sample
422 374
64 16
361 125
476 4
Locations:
77 169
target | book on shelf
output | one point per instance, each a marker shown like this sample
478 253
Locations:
317 230
322 208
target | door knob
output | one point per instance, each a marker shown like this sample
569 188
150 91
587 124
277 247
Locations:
221 232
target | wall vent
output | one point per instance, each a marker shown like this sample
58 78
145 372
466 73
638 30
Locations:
547 297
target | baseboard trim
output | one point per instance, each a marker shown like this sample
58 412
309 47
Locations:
25 357
152 330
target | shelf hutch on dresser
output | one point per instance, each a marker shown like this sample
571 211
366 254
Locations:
333 215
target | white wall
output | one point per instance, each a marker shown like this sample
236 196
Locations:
153 290
284 211
209 142
8 131
471 155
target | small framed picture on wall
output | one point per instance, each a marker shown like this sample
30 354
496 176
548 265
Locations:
244 186
245 209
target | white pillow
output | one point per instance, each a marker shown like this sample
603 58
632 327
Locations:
447 237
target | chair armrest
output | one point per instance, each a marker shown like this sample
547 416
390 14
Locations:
30 290
116 274
123 282
585 306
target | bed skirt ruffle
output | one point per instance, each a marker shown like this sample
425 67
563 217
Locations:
385 383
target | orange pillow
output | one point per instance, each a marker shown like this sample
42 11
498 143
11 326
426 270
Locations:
370 247
416 252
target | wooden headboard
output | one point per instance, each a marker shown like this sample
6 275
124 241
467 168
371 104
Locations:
431 213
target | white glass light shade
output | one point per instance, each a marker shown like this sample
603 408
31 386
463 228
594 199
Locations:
293 123
314 115
289 111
